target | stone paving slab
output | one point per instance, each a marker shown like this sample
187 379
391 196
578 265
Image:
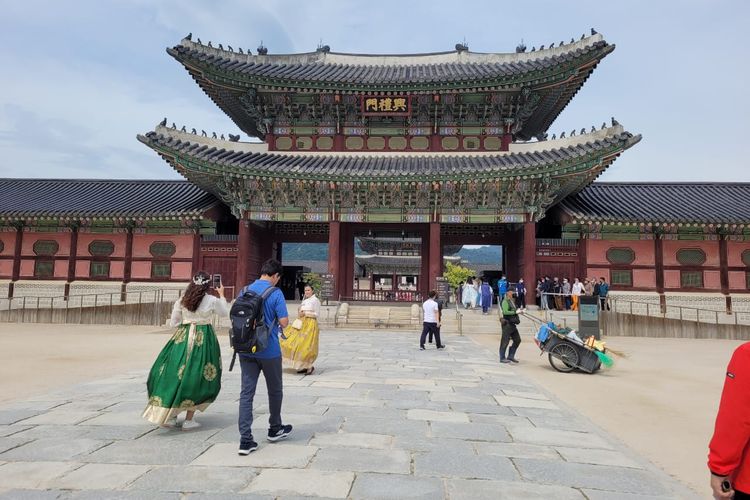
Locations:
268 455
213 479
99 477
602 477
33 475
303 482
34 495
441 464
378 419
149 452
53 449
355 439
463 489
363 460
389 486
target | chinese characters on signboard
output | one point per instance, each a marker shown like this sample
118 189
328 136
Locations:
393 105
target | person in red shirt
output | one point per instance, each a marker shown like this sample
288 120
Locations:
729 452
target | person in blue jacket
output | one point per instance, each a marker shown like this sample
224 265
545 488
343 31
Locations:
603 290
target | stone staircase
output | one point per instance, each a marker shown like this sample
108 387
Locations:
408 316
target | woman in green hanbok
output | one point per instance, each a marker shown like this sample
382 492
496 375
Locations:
186 375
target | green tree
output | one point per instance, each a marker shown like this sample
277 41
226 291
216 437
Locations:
314 280
455 274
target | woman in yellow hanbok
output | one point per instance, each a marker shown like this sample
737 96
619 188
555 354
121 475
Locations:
299 344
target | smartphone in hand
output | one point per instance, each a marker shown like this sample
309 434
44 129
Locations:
216 281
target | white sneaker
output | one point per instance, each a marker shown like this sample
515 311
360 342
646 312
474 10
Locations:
190 424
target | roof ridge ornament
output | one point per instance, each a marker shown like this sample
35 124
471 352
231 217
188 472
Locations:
323 48
520 48
462 46
262 49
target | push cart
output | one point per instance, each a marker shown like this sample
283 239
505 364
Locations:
566 354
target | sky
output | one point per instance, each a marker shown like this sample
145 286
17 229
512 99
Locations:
81 78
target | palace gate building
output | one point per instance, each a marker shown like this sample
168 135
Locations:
439 150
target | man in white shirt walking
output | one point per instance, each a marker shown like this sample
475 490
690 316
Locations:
431 324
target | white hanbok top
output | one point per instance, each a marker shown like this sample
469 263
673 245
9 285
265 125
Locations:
311 307
209 306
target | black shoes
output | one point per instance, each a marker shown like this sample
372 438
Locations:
503 360
280 433
421 348
513 360
246 447
441 346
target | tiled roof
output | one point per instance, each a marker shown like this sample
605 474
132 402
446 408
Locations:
661 202
549 78
336 68
367 166
101 198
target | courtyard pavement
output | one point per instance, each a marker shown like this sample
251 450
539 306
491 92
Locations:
378 419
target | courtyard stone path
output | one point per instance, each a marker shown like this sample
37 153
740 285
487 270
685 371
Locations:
378 419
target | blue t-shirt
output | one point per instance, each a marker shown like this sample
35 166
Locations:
274 309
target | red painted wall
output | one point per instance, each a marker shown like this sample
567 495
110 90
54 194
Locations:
6 268
183 244
141 271
596 251
63 239
710 248
737 280
117 269
182 270
9 243
734 254
712 280
644 278
85 239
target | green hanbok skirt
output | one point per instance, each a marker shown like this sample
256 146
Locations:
186 375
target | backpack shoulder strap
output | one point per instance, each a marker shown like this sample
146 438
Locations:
267 292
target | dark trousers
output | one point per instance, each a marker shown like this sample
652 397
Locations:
510 332
603 303
251 370
738 495
431 329
521 300
432 334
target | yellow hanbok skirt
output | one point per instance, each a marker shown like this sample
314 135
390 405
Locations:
300 347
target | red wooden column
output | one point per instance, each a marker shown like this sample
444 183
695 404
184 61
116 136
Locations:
582 258
724 271
659 268
128 264
334 257
243 255
423 285
16 272
529 256
72 256
196 251
435 255
346 254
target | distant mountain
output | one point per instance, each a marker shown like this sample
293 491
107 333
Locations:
482 255
319 251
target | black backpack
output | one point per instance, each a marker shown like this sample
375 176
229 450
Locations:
249 331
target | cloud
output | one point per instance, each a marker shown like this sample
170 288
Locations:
81 79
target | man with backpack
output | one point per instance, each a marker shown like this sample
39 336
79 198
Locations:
261 352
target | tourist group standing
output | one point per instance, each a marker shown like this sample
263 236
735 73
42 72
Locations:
563 295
